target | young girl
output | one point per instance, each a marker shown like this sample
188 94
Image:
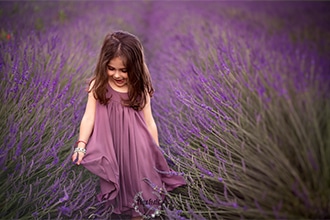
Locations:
118 139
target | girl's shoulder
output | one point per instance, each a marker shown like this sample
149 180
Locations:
91 84
91 88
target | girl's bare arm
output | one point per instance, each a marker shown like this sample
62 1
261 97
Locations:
149 119
86 125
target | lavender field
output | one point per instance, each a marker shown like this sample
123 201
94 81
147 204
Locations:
242 104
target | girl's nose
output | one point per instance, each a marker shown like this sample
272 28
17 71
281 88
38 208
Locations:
116 75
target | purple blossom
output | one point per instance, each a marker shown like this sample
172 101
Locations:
65 210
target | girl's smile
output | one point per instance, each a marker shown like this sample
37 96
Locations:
117 73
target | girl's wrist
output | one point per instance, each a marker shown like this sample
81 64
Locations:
80 144
81 141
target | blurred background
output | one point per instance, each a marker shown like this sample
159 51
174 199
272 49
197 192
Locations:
241 103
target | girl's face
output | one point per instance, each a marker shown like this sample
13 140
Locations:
117 72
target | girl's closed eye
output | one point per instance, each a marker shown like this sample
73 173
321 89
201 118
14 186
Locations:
112 69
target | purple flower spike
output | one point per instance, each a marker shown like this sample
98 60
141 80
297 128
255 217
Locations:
65 197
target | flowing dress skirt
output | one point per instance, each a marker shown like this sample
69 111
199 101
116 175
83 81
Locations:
132 169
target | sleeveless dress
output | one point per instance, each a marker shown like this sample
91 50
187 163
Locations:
132 169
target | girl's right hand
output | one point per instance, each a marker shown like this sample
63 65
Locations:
77 157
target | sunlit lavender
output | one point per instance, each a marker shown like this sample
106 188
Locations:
241 103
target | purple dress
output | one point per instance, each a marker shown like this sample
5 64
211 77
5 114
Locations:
122 152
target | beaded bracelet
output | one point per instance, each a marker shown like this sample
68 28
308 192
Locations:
78 149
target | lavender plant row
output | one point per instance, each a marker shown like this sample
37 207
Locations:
241 104
247 121
46 62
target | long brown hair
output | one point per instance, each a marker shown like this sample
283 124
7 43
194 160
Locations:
129 47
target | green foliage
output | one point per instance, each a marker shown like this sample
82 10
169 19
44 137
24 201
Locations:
253 140
62 16
39 24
